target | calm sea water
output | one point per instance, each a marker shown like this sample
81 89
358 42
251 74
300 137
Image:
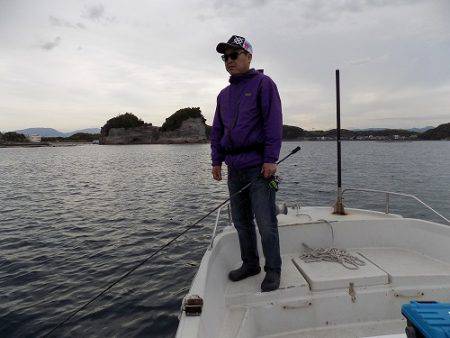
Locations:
73 219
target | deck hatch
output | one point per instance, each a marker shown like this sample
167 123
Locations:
329 275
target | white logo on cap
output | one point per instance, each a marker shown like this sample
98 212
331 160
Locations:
238 40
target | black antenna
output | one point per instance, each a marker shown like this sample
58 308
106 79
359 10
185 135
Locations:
338 206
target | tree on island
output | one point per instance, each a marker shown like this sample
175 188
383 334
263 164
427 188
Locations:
127 120
83 137
292 132
12 136
174 121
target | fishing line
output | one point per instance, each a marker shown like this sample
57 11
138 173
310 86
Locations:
109 286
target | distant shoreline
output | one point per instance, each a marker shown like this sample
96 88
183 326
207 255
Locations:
74 144
42 144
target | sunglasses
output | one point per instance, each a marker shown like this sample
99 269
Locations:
233 55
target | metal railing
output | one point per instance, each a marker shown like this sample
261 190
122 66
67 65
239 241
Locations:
297 206
214 234
388 193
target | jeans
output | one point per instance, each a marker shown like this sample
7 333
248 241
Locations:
257 201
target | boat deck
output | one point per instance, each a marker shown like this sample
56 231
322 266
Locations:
359 330
306 284
405 259
248 291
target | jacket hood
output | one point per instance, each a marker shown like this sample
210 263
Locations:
240 77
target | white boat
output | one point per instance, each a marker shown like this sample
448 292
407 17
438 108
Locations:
405 259
396 260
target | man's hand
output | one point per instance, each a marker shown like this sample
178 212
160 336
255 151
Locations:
217 172
268 169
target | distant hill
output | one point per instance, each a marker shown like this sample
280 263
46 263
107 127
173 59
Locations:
421 130
45 132
50 132
367 129
84 131
441 132
415 130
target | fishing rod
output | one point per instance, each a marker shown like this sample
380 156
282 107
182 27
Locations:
109 286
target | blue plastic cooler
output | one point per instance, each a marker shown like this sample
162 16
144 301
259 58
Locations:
429 319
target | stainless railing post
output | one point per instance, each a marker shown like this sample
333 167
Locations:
215 229
297 206
229 215
213 236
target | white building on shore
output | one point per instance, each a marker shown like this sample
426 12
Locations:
34 138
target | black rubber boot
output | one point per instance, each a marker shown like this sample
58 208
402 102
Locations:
271 281
243 272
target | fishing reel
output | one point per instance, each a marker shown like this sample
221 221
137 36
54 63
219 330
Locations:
274 182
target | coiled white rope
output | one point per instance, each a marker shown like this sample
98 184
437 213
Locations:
334 255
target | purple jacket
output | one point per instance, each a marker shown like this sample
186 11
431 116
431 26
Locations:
247 126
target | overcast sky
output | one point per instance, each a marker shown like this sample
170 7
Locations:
74 64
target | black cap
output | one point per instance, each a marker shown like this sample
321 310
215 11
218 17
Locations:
235 42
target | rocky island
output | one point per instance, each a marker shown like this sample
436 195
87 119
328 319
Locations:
187 125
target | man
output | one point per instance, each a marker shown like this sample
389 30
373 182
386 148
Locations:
246 134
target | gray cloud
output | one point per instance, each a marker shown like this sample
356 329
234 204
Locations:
309 10
361 5
94 13
427 117
322 10
51 44
366 60
97 14
239 3
64 23
230 8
